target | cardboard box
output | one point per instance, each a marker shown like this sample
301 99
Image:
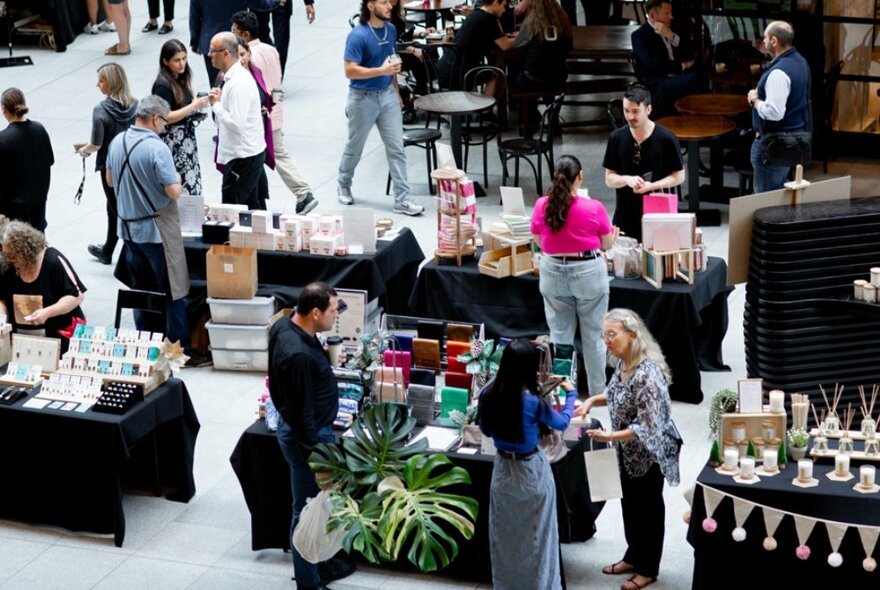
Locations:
324 245
498 263
261 222
330 224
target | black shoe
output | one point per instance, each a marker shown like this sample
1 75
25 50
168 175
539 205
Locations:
149 27
165 29
97 250
307 204
196 360
335 569
320 587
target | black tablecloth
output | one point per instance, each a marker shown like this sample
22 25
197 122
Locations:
717 554
69 469
688 321
265 482
67 17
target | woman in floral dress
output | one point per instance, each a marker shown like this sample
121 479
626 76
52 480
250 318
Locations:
173 84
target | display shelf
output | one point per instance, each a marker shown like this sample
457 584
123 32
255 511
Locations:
469 247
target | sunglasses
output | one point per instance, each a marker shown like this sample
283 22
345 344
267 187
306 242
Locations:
637 153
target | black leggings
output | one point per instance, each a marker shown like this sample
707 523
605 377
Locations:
110 194
168 6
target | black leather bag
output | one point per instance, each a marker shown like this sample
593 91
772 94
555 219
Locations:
787 148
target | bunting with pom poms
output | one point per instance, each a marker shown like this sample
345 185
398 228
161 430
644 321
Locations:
836 531
711 498
869 535
741 511
772 518
689 498
803 526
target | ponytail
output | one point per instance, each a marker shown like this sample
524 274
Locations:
559 197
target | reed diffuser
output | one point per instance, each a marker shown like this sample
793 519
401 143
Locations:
869 425
832 421
845 446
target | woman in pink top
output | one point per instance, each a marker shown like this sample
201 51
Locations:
572 231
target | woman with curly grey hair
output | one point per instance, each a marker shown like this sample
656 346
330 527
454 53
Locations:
39 291
648 444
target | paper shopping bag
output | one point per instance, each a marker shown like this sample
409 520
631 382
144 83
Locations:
603 474
660 203
231 272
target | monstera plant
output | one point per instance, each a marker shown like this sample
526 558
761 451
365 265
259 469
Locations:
387 496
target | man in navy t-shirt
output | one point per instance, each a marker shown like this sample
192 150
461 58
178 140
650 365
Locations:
372 66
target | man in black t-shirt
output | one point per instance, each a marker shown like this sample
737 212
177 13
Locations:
473 42
304 391
640 159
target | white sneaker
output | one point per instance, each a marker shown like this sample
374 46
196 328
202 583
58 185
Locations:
408 207
90 29
106 27
343 195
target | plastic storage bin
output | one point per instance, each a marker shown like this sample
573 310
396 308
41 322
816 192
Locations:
249 312
232 337
240 360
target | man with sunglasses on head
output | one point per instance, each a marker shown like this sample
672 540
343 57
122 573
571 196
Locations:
640 159
303 389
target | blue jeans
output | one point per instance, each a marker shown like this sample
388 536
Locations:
146 263
382 109
302 486
576 294
767 177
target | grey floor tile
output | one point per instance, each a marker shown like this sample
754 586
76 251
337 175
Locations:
137 573
64 568
17 553
190 543
227 579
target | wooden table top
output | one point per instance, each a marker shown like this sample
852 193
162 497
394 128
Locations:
602 41
697 127
420 6
737 76
725 105
454 102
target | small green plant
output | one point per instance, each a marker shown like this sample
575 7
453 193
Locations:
798 437
750 450
715 454
723 402
781 455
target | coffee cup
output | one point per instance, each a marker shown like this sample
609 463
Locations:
277 95
755 69
334 349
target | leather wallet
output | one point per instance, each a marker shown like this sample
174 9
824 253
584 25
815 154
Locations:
422 377
459 380
453 349
426 353
390 392
430 329
404 341
459 332
400 359
388 374
453 398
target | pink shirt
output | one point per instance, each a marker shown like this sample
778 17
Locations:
265 57
586 222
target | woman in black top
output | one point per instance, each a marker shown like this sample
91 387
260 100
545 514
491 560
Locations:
39 291
174 85
26 159
113 115
546 37
411 57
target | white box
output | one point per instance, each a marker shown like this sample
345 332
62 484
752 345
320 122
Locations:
251 312
240 237
288 243
231 336
240 360
324 245
291 226
330 224
261 222
225 212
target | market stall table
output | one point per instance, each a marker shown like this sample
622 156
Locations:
68 469
67 17
264 477
688 321
692 129
716 553
455 104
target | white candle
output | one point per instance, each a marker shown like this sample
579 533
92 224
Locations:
841 464
805 470
738 431
770 460
875 276
747 467
777 401
866 475
731 456
859 288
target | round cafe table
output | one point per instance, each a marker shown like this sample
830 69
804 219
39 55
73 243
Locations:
692 129
721 104
431 8
455 104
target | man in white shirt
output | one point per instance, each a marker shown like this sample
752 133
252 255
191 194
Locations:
241 144
266 57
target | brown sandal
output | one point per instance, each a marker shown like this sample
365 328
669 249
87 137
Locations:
613 570
114 50
631 584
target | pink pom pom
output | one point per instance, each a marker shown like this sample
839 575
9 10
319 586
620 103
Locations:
803 552
709 525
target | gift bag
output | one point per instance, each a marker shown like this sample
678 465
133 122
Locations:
552 443
468 201
311 538
231 272
660 203
603 474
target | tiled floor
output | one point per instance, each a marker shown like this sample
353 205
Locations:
206 544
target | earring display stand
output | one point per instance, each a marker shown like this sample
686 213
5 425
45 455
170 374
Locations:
11 26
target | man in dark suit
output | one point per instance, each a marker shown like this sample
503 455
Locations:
209 17
662 60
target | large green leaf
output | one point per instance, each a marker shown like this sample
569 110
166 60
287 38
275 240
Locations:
362 522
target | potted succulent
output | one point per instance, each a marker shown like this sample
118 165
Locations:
387 496
798 439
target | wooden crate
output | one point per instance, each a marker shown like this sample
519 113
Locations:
753 424
499 263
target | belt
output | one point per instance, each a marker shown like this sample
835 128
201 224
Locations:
586 255
518 456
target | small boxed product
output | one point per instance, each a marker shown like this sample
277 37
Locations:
288 243
216 232
224 212
324 245
291 225
261 222
330 224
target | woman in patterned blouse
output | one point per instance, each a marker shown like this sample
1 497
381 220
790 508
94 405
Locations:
638 401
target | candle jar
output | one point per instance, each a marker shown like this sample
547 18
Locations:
859 289
759 443
866 476
805 470
738 432
747 467
770 461
832 423
869 293
875 276
768 430
872 446
731 457
869 427
730 445
845 445
743 447
777 401
773 444
841 465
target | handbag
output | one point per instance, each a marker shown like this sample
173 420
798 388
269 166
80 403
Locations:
552 443
603 473
310 537
787 148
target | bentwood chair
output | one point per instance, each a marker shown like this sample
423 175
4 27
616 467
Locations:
541 147
481 128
